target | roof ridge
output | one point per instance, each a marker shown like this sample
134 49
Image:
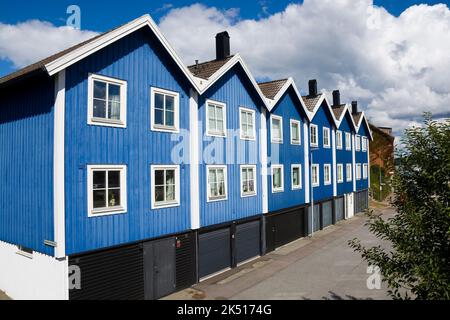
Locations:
209 61
272 81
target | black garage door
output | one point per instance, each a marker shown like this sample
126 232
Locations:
284 227
339 208
214 252
248 241
327 213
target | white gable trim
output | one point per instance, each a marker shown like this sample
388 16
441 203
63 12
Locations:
317 106
358 126
290 82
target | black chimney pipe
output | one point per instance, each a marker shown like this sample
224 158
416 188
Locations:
312 84
354 107
336 98
222 45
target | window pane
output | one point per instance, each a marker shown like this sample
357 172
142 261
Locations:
220 175
99 179
113 197
170 192
244 186
159 101
99 109
99 90
170 103
114 92
159 193
277 178
219 113
211 112
251 186
221 188
159 117
114 110
170 177
170 118
244 175
113 179
99 198
213 190
212 177
220 126
295 177
159 177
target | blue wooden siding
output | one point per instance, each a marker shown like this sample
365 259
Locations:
26 165
361 157
344 156
235 90
286 153
141 61
322 155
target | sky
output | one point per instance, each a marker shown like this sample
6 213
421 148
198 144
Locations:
392 56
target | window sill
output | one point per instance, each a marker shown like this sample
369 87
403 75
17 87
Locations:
106 212
248 138
217 199
316 185
327 147
248 195
296 188
216 134
327 184
296 143
165 205
277 141
107 123
25 254
277 190
164 129
314 145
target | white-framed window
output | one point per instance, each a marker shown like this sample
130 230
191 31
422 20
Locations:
315 175
107 189
340 173
348 141
107 101
216 119
358 142
358 171
216 182
248 180
348 172
277 178
364 144
365 171
326 174
165 186
338 139
247 124
296 176
295 132
25 252
164 106
276 129
326 137
314 135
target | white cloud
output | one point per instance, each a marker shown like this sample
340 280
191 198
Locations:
397 67
28 42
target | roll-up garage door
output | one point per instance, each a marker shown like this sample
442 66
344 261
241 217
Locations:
339 208
284 227
214 251
248 240
327 213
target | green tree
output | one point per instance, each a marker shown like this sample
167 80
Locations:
417 262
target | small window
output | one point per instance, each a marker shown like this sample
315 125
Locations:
326 137
277 178
296 176
348 141
217 183
107 190
107 101
165 182
348 172
276 129
339 139
216 119
358 143
247 121
326 174
24 251
313 133
358 171
315 175
340 173
248 181
365 171
364 143
295 132
164 110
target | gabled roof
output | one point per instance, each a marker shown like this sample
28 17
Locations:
313 104
271 88
358 118
312 101
340 112
206 69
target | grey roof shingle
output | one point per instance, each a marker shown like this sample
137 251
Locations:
311 101
356 117
206 69
337 110
271 88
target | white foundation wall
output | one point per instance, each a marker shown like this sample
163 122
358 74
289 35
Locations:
39 278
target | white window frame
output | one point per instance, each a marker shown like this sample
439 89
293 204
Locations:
364 144
242 136
300 178
208 129
298 123
339 139
325 181
91 120
163 128
272 117
277 166
317 167
316 143
255 192
348 172
365 171
348 141
167 204
358 142
340 173
326 133
358 171
225 177
123 191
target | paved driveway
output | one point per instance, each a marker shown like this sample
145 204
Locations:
321 267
